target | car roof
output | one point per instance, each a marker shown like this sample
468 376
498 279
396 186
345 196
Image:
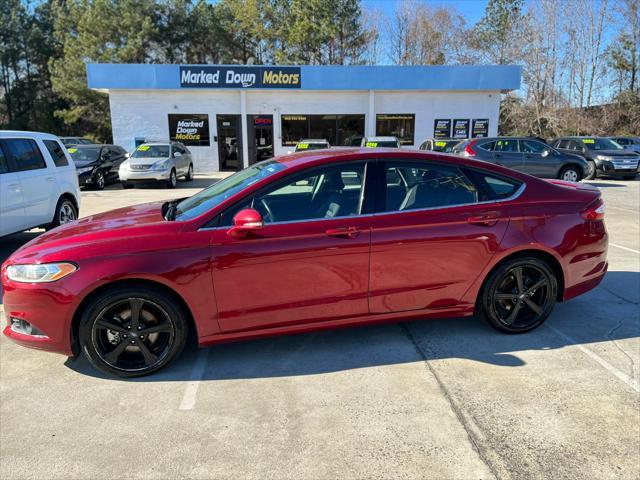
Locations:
26 133
313 140
447 139
381 139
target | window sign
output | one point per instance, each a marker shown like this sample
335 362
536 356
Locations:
461 128
480 127
442 128
399 125
190 129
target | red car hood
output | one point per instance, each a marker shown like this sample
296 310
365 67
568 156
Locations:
124 223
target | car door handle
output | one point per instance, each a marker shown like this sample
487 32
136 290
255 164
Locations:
487 220
346 232
49 179
14 186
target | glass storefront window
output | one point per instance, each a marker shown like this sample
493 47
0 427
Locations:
401 125
338 130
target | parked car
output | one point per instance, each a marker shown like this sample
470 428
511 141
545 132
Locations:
605 156
97 165
527 155
69 141
302 243
440 144
38 182
157 162
376 142
312 144
628 143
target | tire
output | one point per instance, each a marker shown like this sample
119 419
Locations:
570 173
124 350
591 172
173 179
99 180
189 176
126 185
501 296
66 211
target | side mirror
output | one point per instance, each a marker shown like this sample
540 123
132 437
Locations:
245 222
176 154
127 155
546 152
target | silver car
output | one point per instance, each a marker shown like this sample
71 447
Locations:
157 162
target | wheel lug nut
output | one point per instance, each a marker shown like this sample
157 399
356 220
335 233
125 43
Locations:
133 341
125 335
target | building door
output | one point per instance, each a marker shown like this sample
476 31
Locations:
260 133
229 142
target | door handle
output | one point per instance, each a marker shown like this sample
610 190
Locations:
14 186
487 220
346 232
49 179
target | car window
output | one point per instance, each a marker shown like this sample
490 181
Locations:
600 144
25 153
4 165
151 151
506 146
622 141
84 154
531 146
424 145
56 152
488 146
326 193
431 186
574 145
491 187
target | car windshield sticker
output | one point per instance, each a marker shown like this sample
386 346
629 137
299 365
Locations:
371 144
588 140
72 150
143 148
441 144
303 146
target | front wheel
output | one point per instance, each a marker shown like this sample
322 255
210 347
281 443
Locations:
591 170
519 295
132 331
189 176
66 212
173 179
99 180
570 173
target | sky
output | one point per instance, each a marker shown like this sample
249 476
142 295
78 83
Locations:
471 10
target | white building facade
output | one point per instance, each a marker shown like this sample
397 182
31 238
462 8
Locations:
233 116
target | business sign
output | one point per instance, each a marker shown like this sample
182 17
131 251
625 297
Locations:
191 129
442 128
239 77
461 128
480 127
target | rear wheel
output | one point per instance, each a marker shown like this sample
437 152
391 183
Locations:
519 295
189 176
570 173
591 170
132 331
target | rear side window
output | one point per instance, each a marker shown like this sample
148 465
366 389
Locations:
25 153
488 146
506 146
491 187
4 165
531 146
56 152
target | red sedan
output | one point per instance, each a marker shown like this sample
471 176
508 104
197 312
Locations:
306 242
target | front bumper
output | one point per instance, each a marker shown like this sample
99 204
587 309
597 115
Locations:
605 167
144 175
85 179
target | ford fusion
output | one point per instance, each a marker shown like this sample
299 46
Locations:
305 242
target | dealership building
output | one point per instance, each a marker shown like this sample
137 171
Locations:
231 116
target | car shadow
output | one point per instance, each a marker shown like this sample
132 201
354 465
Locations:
599 316
606 185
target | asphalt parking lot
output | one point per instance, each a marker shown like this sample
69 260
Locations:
447 398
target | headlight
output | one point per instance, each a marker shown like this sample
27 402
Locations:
604 157
162 164
84 169
39 273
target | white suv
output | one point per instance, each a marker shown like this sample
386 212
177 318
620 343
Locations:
38 182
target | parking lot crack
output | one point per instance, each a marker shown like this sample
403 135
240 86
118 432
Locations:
626 300
609 335
473 431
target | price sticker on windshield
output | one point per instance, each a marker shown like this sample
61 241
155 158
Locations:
441 144
303 146
143 148
371 144
588 140
72 150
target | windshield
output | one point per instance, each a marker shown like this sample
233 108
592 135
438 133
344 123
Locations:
218 192
83 155
151 151
601 144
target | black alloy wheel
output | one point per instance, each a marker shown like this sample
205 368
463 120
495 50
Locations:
519 295
99 180
132 332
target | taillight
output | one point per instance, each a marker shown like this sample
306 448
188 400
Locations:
468 150
594 212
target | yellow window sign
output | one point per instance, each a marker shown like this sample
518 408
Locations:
588 140
303 146
72 150
371 144
143 148
441 144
